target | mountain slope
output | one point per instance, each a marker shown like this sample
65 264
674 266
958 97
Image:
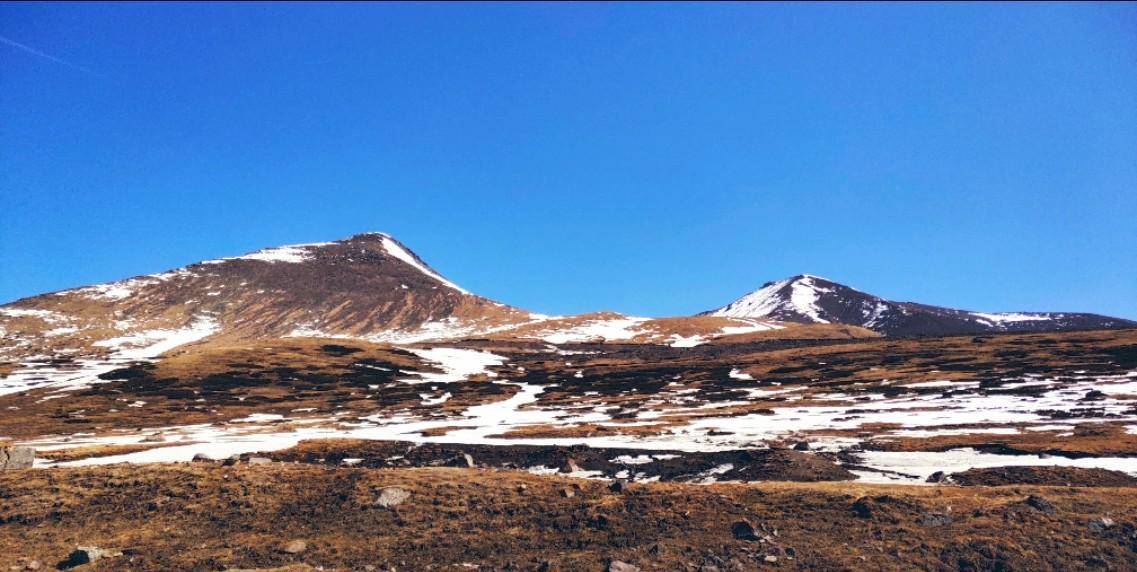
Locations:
368 286
810 299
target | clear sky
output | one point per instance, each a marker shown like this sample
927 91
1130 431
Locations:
656 160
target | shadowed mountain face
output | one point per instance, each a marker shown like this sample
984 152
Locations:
810 299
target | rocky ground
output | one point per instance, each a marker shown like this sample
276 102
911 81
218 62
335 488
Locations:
213 516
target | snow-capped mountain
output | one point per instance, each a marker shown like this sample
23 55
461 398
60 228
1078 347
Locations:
367 286
810 299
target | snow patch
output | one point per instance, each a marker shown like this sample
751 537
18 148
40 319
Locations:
292 253
394 249
622 328
456 364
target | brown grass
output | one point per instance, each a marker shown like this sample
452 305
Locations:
207 517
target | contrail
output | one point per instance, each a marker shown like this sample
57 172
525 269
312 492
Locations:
32 50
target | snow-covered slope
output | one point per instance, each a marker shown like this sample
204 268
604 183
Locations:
811 299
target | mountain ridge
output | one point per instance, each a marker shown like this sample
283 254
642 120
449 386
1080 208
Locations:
371 286
811 299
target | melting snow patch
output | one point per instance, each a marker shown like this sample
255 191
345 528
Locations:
153 343
291 253
623 328
630 460
1010 317
259 418
923 464
678 341
456 364
45 315
735 373
141 346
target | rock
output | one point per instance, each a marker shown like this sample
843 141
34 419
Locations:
12 457
230 461
770 558
884 508
260 461
935 519
937 477
463 460
569 466
801 446
392 496
617 566
619 486
155 438
567 492
86 555
1101 524
294 547
202 458
1093 395
743 530
27 564
1040 504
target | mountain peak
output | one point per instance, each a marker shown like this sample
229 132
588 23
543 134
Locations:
368 285
811 299
793 299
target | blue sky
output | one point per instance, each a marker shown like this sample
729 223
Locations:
655 160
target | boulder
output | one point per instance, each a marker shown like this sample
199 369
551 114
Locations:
1101 524
294 547
86 555
1040 504
567 492
1094 395
619 486
743 530
933 518
569 466
12 457
260 461
618 566
392 496
463 460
